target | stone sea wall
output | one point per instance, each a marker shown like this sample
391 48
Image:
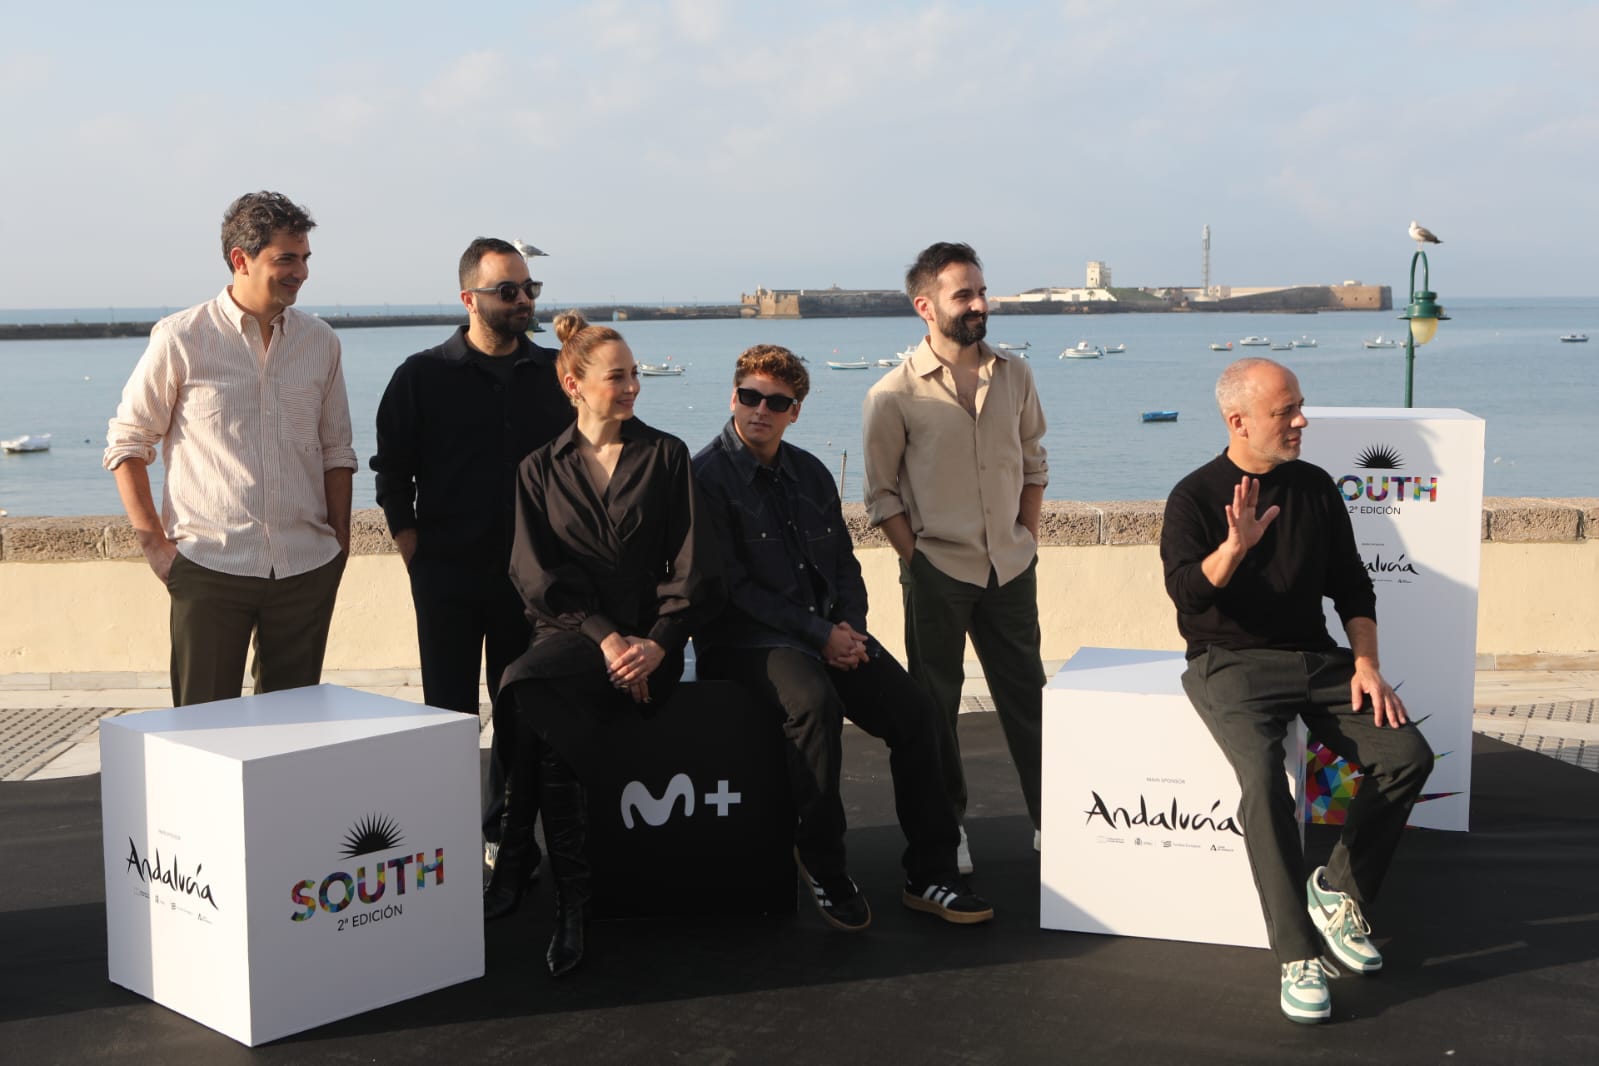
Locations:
76 597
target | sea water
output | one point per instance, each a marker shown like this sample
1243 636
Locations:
1499 359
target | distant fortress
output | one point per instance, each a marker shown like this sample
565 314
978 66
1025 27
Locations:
1098 296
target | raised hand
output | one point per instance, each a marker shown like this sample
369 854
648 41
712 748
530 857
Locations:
1245 524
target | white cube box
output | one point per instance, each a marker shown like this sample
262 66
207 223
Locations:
1140 833
277 862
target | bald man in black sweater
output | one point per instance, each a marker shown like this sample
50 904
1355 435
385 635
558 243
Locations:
1252 542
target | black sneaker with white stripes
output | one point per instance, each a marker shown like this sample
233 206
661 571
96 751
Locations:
841 904
947 900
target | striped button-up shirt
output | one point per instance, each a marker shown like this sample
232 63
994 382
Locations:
957 478
247 430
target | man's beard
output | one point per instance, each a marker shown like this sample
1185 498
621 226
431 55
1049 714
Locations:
507 322
964 329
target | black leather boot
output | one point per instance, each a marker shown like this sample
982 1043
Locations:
566 825
517 863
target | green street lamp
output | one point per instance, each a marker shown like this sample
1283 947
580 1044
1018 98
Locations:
1423 314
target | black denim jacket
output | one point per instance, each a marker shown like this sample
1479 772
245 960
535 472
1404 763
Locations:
787 584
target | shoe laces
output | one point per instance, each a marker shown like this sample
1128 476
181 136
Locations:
1309 972
1347 919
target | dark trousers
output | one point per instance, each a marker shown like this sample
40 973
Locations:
879 697
467 615
217 617
1002 620
1248 699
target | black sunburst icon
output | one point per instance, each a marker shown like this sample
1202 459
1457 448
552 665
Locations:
1379 457
375 832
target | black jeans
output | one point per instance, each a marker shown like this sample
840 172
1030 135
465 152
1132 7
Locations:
1002 620
1247 699
879 697
466 613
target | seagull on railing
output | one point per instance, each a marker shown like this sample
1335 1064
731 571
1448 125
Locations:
527 249
1422 235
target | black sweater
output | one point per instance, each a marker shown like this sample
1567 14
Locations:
1275 598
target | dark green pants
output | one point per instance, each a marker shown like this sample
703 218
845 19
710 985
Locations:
216 616
1248 699
1002 621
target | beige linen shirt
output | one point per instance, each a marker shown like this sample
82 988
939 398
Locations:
247 431
956 478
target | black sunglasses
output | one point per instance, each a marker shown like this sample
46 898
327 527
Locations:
776 403
507 290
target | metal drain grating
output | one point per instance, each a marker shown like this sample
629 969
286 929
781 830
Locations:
32 736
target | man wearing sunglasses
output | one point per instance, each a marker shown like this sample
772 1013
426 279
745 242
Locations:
245 396
794 634
452 427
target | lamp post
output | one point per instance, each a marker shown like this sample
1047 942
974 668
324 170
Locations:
1423 314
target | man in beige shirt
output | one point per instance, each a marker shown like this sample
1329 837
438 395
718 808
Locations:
245 397
955 475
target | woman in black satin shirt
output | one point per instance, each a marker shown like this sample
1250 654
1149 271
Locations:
610 563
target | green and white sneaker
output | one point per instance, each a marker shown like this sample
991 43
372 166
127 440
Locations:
1337 918
1305 997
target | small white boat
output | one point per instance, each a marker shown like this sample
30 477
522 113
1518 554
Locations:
908 352
1282 347
1022 347
1114 349
1082 350
660 370
1304 342
889 362
1222 347
1255 342
33 442
1383 342
1574 338
847 364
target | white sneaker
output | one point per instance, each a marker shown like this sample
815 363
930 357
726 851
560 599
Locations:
1304 996
963 854
1338 919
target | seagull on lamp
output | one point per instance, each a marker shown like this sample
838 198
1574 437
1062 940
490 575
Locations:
527 249
1422 235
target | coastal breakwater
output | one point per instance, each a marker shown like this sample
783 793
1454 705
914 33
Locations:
80 599
45 331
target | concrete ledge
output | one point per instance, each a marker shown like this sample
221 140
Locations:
1532 520
1065 523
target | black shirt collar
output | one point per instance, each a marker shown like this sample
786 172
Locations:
745 462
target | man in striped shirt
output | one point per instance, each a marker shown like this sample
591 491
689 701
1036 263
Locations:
245 397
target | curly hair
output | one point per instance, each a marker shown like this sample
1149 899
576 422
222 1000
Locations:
578 342
775 362
250 221
934 258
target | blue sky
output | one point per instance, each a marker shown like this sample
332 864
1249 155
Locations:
692 150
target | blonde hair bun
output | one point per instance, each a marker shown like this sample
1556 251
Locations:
568 323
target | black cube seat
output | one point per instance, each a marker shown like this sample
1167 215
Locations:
691 813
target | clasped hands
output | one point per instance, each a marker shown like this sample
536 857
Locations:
845 648
629 662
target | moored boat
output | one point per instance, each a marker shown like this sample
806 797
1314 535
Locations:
847 364
1574 338
1082 350
1222 347
1022 347
1159 416
660 370
1383 342
1255 342
1114 349
1304 342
